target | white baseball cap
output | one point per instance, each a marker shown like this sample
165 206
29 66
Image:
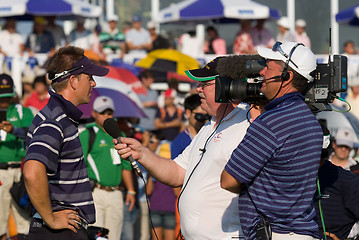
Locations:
113 18
345 136
102 103
151 25
300 23
302 56
284 22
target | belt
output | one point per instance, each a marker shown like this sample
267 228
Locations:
83 223
9 165
106 188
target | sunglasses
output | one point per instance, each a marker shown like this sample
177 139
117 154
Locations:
277 48
107 112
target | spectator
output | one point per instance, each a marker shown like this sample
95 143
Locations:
243 43
57 32
40 95
113 41
55 171
190 44
284 34
162 201
149 101
336 202
95 45
80 36
12 43
281 173
13 129
40 40
138 39
300 33
343 145
170 119
196 117
261 36
158 41
353 98
207 211
214 44
353 63
107 170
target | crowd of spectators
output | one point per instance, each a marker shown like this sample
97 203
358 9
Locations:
165 120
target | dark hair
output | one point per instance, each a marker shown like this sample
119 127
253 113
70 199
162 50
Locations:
147 74
192 102
63 60
39 79
211 28
299 82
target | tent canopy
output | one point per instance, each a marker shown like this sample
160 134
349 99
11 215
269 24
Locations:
349 16
13 8
192 10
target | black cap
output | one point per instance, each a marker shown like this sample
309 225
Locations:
6 86
206 73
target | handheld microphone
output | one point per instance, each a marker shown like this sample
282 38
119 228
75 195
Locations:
114 131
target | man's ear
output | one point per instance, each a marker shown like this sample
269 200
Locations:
290 79
73 81
188 113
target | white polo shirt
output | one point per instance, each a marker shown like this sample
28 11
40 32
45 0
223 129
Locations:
207 211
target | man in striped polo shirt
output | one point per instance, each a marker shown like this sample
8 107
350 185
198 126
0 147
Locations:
275 167
55 171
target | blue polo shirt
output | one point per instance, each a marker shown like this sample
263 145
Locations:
278 159
53 140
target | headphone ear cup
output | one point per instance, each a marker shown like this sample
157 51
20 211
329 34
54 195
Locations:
285 76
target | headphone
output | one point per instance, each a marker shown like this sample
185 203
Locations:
53 75
285 74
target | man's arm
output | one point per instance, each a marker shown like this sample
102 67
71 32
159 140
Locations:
127 179
167 172
229 183
37 187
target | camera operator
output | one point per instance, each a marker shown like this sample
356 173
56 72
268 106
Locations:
206 210
275 167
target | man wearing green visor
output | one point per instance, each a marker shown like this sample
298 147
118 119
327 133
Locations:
206 210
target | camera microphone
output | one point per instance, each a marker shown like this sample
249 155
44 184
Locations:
114 131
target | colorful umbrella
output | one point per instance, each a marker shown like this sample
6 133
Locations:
10 8
127 77
349 16
124 106
168 60
195 10
127 103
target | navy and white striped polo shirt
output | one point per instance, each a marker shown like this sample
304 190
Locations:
279 158
53 140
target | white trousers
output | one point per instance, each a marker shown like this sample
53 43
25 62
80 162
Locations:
109 211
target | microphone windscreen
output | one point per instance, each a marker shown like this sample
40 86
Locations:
112 128
234 66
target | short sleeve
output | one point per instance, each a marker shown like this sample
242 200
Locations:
45 145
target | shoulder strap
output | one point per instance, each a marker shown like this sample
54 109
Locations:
92 137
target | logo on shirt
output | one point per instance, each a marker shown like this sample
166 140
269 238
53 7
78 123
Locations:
217 138
103 143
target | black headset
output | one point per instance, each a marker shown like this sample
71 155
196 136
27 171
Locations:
285 74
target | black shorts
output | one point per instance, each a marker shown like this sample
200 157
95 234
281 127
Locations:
39 231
